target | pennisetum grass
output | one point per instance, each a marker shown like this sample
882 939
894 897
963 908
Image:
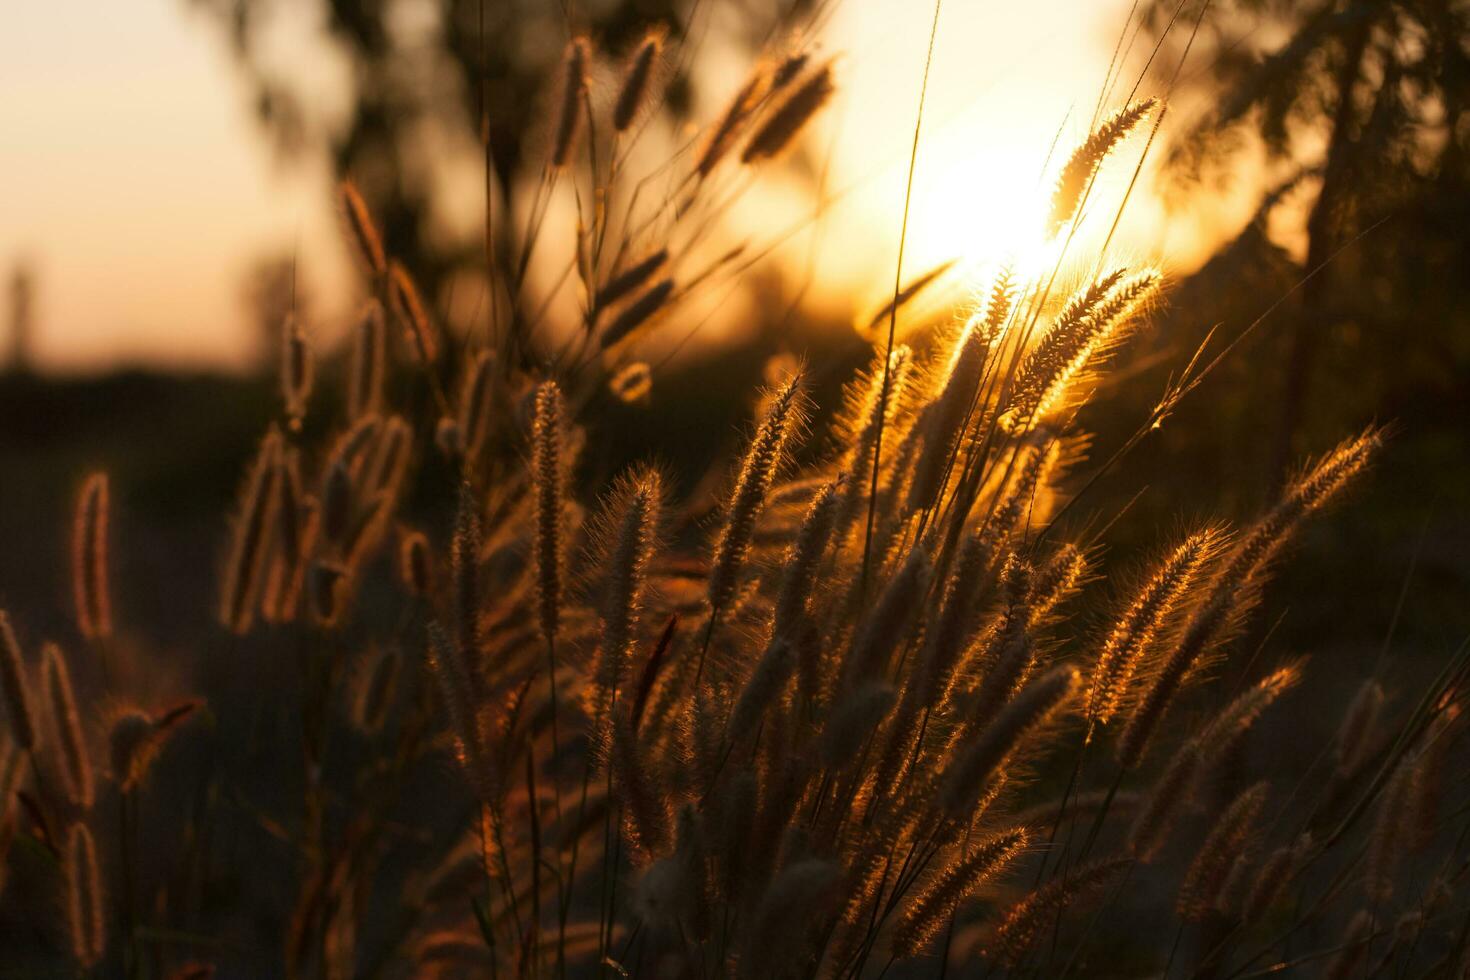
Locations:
788 118
569 108
408 310
368 363
757 473
20 710
91 585
929 909
1231 586
636 80
66 723
362 232
818 740
245 565
84 899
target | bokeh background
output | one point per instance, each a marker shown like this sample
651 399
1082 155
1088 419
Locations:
166 193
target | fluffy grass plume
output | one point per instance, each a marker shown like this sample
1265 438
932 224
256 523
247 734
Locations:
569 108
245 563
87 927
66 723
362 233
931 908
1243 566
91 584
636 79
408 309
488 698
788 118
757 472
1078 172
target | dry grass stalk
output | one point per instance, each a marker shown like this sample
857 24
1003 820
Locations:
632 538
476 403
623 283
928 650
977 765
633 383
416 564
1353 947
1130 638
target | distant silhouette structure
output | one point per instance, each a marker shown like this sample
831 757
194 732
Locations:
22 315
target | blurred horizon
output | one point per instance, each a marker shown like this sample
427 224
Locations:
142 190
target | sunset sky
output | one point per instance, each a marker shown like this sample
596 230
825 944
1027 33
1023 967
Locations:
138 186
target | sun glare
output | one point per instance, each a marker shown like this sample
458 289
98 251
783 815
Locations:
986 209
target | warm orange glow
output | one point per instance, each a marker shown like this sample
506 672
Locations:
138 186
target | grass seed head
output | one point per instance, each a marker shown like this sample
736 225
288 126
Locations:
91 585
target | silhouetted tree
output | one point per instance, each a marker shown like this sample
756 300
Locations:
471 72
1361 104
22 315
